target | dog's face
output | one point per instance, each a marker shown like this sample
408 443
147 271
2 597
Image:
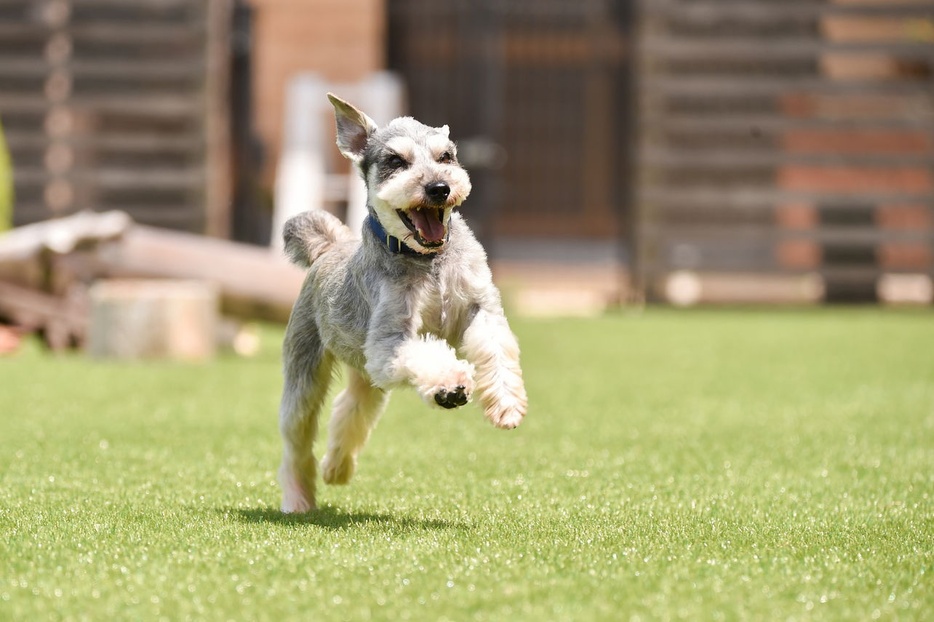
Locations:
413 178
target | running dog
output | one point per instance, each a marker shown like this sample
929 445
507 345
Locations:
411 302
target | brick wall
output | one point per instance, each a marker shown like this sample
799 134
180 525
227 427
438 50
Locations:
339 39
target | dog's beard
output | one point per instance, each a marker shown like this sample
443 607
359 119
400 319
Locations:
426 224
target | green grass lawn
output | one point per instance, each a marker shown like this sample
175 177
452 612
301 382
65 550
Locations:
674 465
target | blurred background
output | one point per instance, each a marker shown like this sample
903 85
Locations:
679 151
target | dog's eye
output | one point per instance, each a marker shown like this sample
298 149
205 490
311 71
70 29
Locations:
446 158
396 162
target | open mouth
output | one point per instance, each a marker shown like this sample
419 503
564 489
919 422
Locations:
426 223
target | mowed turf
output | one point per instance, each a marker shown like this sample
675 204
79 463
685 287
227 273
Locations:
674 465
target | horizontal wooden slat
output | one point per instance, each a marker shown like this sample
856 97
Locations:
24 67
22 102
148 5
177 212
786 48
135 68
776 124
112 178
140 4
770 234
156 105
806 10
769 197
128 142
103 34
723 87
117 69
702 159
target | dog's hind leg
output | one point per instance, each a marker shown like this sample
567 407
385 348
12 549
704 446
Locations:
356 411
308 371
492 348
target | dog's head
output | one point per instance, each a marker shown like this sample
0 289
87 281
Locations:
412 175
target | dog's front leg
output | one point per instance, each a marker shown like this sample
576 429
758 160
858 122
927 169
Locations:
396 355
489 344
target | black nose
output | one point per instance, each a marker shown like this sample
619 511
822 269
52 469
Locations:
438 191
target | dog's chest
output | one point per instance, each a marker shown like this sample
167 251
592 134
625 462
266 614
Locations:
441 307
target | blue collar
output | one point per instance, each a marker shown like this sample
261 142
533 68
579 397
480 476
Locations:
393 244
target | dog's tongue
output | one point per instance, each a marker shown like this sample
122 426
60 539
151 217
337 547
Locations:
428 224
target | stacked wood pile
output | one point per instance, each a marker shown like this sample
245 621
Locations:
786 147
47 270
118 105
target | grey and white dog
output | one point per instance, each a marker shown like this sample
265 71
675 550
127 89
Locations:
411 303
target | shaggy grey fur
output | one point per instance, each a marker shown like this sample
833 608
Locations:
432 320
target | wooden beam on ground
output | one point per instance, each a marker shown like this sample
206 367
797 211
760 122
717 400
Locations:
61 235
63 319
254 282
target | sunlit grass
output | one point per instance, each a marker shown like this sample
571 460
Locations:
702 465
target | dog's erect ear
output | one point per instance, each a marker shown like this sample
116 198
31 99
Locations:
353 128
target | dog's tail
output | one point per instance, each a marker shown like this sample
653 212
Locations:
310 234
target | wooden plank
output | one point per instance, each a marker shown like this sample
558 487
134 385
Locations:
142 5
770 196
22 102
147 33
165 105
24 67
129 142
61 236
24 31
738 158
773 124
143 104
64 319
137 69
125 32
160 213
117 178
798 10
770 234
792 48
178 216
253 281
725 87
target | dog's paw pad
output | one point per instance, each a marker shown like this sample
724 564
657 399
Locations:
452 399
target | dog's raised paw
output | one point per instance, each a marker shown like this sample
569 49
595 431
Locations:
506 418
452 399
337 471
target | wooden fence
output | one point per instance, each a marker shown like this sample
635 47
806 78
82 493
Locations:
118 105
788 144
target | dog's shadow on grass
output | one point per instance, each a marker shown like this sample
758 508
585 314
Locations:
331 517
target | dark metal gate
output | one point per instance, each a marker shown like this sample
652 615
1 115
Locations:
537 95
